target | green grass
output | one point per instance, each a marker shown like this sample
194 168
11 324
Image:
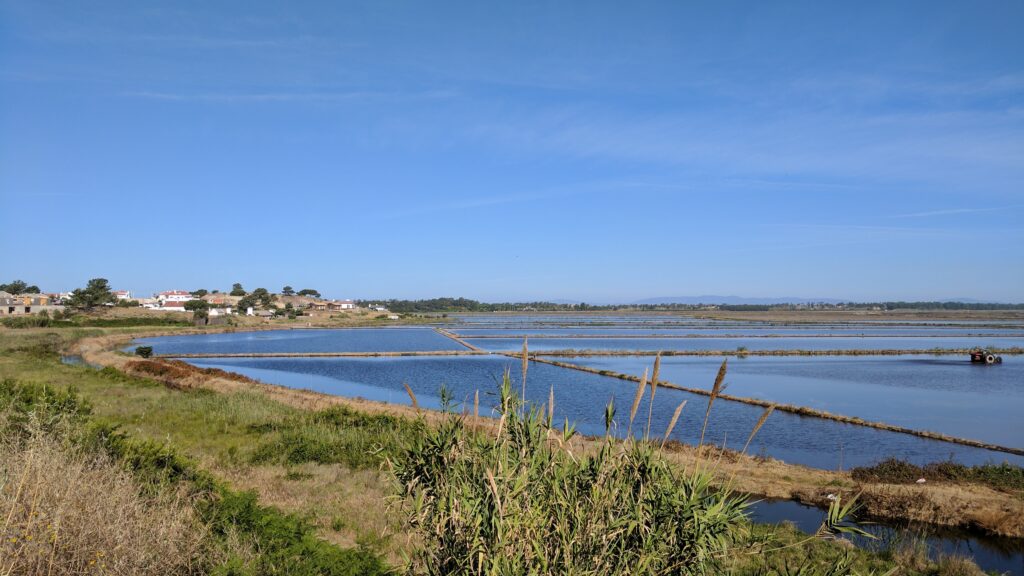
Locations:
322 467
41 321
280 543
1006 477
334 435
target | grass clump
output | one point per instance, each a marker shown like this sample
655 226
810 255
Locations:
81 321
520 502
336 435
1006 477
182 520
67 509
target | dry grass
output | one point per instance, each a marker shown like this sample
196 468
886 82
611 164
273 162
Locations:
349 507
72 513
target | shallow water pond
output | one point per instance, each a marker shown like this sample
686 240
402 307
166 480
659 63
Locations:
314 340
992 554
722 344
581 397
944 394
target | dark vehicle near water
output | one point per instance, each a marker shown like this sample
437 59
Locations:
979 356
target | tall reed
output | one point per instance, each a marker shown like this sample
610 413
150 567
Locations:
516 503
715 391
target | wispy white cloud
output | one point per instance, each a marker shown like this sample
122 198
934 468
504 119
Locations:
538 195
232 97
950 211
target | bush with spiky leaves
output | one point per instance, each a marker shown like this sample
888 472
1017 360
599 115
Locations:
521 502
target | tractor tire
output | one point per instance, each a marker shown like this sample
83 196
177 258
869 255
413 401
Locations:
990 359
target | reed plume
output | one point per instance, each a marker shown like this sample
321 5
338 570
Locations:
636 400
672 422
551 405
526 365
760 422
715 391
412 396
654 388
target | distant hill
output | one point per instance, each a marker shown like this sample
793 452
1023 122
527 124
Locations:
716 299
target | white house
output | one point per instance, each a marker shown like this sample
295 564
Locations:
173 296
123 294
173 306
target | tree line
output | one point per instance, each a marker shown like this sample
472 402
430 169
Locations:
469 305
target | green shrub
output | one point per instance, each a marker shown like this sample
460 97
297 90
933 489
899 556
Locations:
517 503
1005 476
38 321
144 351
282 544
49 407
335 435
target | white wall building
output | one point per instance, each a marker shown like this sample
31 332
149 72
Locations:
173 296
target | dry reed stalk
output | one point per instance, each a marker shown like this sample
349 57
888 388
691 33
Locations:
672 422
551 405
79 514
654 388
636 400
526 364
715 391
760 422
494 490
476 404
412 396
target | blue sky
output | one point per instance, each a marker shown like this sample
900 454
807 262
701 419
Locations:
602 151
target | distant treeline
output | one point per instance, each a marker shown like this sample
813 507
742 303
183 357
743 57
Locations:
468 305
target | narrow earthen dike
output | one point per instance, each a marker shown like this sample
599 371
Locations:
799 410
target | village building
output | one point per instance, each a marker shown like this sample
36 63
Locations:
331 305
122 294
221 300
173 296
16 304
172 306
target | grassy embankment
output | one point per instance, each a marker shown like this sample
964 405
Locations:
962 505
321 464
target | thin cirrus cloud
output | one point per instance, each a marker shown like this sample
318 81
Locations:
232 97
951 212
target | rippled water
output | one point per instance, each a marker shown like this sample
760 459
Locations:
581 398
1001 555
761 331
344 340
786 343
944 394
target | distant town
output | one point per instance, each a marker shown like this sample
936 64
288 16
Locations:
20 299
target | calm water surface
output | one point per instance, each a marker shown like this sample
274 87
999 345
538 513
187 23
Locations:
1001 555
342 340
944 394
581 398
641 331
654 344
